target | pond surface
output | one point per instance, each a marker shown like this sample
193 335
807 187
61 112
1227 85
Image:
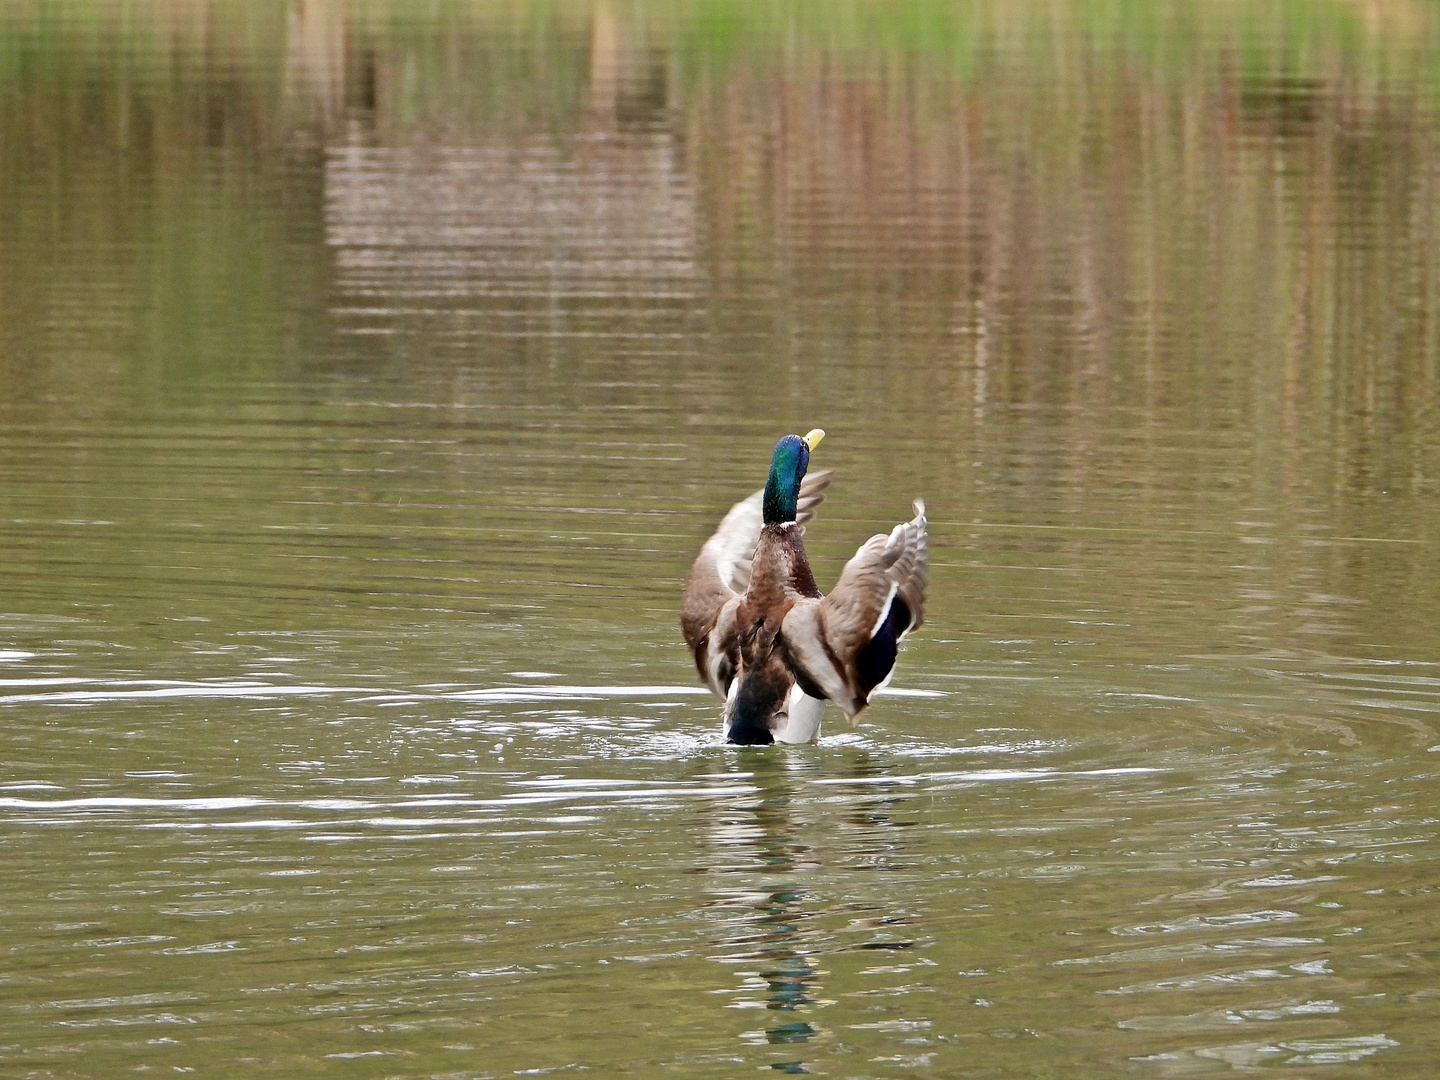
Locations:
370 374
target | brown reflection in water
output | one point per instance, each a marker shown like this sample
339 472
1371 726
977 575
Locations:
316 65
576 247
629 79
1044 253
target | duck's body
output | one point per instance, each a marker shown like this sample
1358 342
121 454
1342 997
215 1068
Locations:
765 639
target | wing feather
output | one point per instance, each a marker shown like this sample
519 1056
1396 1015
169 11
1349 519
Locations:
846 643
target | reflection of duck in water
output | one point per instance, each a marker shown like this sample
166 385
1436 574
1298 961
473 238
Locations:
778 845
764 637
762 833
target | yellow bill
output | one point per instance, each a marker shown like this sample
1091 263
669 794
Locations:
812 440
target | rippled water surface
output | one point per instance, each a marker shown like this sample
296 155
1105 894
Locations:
370 373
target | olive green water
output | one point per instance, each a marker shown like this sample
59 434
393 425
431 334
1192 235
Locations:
369 375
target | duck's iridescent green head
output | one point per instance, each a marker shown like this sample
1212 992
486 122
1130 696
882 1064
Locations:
787 469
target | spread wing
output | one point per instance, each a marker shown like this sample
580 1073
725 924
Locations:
721 573
846 643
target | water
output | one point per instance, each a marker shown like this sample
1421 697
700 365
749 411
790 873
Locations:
370 374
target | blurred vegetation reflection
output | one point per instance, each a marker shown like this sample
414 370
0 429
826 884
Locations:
1133 219
1002 201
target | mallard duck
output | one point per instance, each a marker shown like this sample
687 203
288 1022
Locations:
765 639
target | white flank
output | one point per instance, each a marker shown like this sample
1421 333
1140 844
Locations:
802 721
